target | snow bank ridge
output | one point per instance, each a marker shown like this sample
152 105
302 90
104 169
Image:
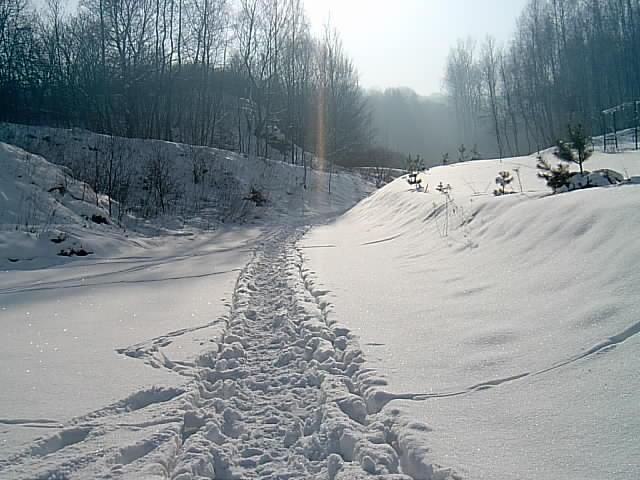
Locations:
361 396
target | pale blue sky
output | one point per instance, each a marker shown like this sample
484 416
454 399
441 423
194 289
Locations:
406 42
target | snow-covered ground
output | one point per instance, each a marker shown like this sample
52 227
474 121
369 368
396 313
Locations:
414 337
508 324
186 354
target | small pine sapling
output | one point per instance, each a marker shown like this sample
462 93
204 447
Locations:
444 189
414 167
462 153
503 180
556 177
577 149
414 181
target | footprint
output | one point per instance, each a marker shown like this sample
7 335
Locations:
60 440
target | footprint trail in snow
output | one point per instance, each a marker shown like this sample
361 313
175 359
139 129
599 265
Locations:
284 395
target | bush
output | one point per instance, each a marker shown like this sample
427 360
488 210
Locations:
159 181
99 219
577 149
556 177
257 197
503 180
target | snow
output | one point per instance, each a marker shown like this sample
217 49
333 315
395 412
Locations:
507 324
43 210
97 325
241 409
225 178
89 321
185 353
416 336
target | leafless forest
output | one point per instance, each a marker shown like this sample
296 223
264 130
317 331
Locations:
250 76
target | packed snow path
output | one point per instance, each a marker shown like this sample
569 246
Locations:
283 395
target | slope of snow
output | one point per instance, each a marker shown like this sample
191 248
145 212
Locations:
224 179
508 325
43 211
413 337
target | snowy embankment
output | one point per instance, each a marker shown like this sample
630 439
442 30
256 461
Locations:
508 325
43 211
185 183
87 307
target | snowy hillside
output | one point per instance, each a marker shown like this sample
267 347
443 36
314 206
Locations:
506 324
45 213
201 185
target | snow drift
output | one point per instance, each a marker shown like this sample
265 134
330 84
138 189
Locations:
507 324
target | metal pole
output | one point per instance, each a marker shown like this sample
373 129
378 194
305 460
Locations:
615 130
517 170
636 126
604 125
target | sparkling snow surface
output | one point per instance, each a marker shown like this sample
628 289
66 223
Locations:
495 338
510 329
192 354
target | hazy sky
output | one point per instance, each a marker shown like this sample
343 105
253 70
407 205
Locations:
406 42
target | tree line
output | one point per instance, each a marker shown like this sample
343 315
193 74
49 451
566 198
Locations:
568 60
245 75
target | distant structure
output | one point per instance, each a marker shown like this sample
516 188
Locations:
623 116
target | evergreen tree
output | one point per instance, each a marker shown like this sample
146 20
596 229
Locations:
577 149
410 164
503 180
462 153
556 177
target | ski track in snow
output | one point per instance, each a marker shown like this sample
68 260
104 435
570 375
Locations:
140 264
63 286
283 395
600 348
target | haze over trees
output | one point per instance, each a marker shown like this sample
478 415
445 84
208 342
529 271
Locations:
567 61
406 122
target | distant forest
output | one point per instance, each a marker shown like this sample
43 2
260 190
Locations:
248 75
568 61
